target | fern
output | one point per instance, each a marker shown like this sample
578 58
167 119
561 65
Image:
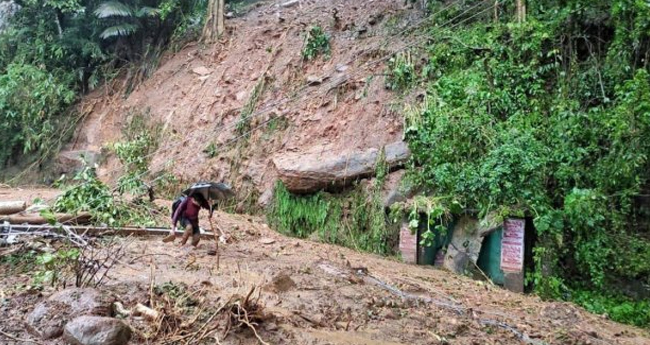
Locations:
113 9
119 30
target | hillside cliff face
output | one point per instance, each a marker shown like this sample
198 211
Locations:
329 105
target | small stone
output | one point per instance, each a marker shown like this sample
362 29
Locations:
341 68
241 95
389 314
314 80
97 330
283 283
290 3
201 70
266 240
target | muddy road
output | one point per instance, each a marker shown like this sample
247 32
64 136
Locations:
313 293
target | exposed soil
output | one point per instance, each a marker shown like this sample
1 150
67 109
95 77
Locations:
314 293
309 293
197 93
28 194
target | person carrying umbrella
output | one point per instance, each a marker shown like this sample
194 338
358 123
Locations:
188 215
187 211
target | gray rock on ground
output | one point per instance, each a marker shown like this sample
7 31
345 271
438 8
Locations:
96 330
49 317
467 239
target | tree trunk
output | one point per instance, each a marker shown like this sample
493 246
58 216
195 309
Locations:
58 24
214 23
521 11
63 218
11 207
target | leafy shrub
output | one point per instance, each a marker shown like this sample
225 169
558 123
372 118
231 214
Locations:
317 42
617 308
93 196
520 121
89 195
401 72
31 103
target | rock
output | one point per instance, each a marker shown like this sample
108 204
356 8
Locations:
467 240
71 162
266 198
271 327
341 68
96 330
465 245
48 317
7 10
266 240
314 80
202 71
305 173
290 3
283 283
241 95
491 222
389 314
393 190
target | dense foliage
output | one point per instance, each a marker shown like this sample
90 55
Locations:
354 218
106 207
55 50
548 118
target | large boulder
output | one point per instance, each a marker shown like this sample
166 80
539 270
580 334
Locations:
71 162
306 173
50 316
96 330
467 239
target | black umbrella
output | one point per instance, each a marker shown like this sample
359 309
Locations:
214 191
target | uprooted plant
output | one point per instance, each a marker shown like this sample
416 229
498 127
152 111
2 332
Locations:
178 314
86 266
105 206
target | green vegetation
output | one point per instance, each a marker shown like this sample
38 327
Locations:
618 308
350 219
317 42
548 118
56 50
243 127
134 152
31 105
354 218
401 72
211 150
89 194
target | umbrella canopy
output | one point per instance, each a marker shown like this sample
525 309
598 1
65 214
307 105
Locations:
211 190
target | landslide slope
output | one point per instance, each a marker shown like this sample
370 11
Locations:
329 105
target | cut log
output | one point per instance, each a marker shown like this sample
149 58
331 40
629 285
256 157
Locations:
306 173
11 207
63 218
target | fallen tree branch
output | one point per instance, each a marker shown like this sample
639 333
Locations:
458 308
19 340
522 336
